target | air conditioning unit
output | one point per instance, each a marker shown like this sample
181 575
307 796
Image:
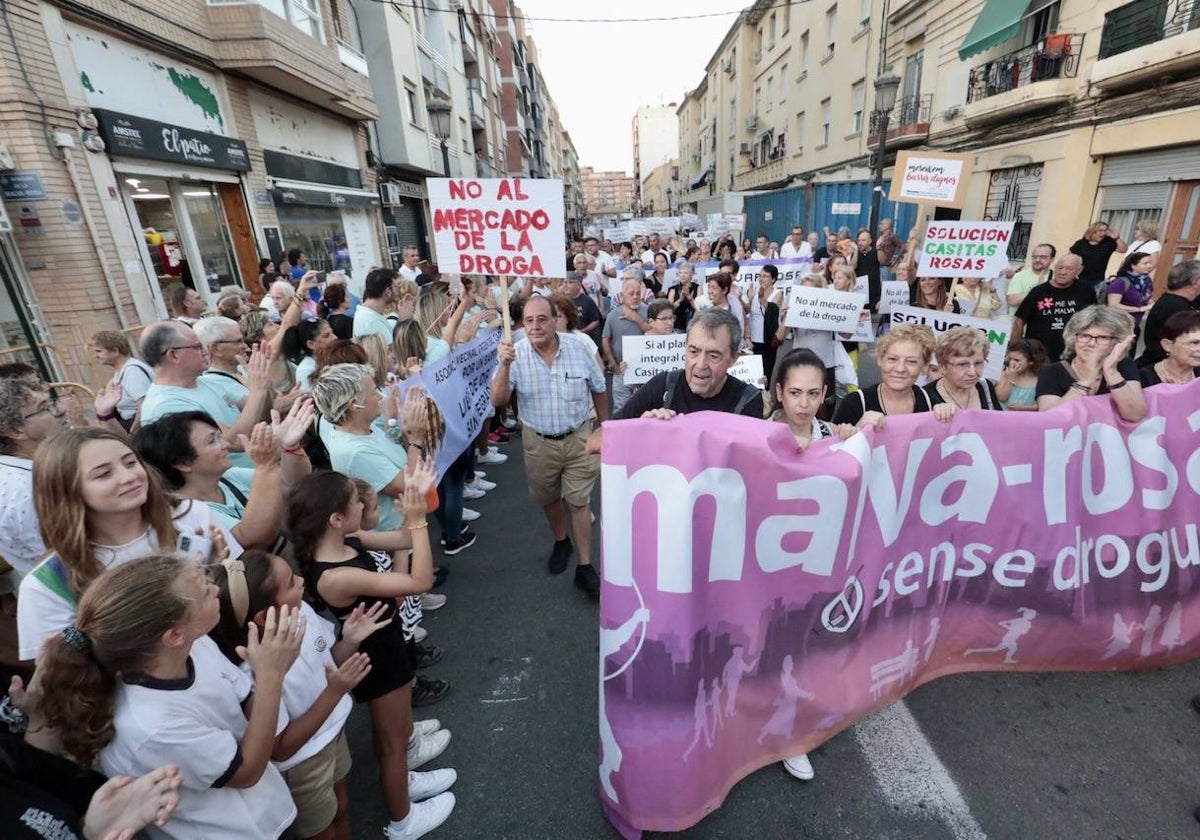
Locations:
726 65
389 194
751 122
746 148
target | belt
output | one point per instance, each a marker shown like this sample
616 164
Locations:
562 436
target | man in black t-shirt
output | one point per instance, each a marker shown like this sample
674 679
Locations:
1183 292
713 339
1047 308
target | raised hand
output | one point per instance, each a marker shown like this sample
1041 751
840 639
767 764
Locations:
107 398
123 806
362 622
258 369
349 674
261 445
271 653
289 431
1119 352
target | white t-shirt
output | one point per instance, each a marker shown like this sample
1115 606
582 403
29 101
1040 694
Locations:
604 262
20 540
409 273
135 378
1152 246
198 723
42 609
787 249
369 322
306 680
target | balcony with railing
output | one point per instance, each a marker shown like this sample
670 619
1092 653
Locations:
475 99
470 45
908 123
769 173
1147 39
1032 78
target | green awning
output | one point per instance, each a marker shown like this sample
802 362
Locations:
997 22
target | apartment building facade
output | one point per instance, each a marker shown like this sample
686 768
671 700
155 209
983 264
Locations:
143 150
659 195
1073 110
607 192
655 140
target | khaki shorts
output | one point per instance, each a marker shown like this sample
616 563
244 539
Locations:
560 469
311 783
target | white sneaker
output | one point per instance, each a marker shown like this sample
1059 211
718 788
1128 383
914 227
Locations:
422 728
469 515
427 748
423 817
427 785
470 494
431 601
492 457
480 484
509 422
800 767
493 449
480 474
419 634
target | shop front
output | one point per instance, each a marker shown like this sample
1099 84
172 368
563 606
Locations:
182 192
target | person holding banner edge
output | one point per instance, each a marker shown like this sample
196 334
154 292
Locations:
1095 361
559 383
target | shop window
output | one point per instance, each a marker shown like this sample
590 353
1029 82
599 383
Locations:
212 237
318 231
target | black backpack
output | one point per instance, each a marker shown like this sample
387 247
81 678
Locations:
749 392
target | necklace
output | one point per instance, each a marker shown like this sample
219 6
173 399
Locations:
944 390
883 402
1170 379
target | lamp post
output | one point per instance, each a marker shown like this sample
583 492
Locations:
439 109
886 88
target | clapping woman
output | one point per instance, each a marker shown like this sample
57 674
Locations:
1095 361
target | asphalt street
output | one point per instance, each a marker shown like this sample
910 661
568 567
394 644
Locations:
968 756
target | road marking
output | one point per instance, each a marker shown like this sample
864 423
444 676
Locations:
909 773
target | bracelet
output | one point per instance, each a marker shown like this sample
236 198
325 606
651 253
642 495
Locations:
423 524
300 298
295 450
1120 384
1081 388
104 418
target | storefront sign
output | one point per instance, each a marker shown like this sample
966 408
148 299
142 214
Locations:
317 197
931 178
274 243
22 186
498 225
846 208
965 249
262 198
134 136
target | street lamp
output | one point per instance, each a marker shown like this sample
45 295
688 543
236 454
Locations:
886 88
440 109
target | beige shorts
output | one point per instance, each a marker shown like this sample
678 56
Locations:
560 469
311 783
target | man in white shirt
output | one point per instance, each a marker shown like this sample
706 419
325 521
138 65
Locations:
654 246
410 271
604 262
28 415
762 249
796 245
377 295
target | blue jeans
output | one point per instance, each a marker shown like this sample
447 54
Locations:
450 495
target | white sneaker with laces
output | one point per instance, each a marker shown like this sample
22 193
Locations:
469 515
426 727
492 457
480 474
431 601
480 484
470 494
800 767
423 817
427 748
427 785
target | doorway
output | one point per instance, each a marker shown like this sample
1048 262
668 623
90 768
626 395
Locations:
1181 234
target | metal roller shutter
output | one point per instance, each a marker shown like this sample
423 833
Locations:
1180 163
1135 196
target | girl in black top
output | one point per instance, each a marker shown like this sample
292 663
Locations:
656 279
682 297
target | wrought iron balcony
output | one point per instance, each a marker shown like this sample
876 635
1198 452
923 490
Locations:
1144 22
908 122
1054 57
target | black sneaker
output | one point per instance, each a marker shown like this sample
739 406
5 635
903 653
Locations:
588 580
426 655
439 575
465 540
427 692
462 532
557 564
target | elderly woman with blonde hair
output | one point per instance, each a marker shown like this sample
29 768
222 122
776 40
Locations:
903 353
1095 362
1146 241
962 355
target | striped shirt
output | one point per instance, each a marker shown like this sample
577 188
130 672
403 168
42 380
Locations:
556 398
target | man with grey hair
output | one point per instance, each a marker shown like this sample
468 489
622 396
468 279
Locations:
28 416
227 353
1183 292
590 319
1048 307
713 341
179 358
628 319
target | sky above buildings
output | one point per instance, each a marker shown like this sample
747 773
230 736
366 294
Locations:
600 73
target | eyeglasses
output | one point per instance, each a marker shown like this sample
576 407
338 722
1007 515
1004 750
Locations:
1091 338
666 319
233 341
48 407
187 347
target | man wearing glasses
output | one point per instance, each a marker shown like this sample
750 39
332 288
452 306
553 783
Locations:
1047 308
630 318
179 359
28 415
227 355
1037 273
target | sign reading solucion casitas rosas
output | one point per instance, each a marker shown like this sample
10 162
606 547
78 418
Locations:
134 136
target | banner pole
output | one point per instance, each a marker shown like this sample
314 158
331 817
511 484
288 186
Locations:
507 318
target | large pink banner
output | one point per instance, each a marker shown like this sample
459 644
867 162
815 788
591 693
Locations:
757 600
